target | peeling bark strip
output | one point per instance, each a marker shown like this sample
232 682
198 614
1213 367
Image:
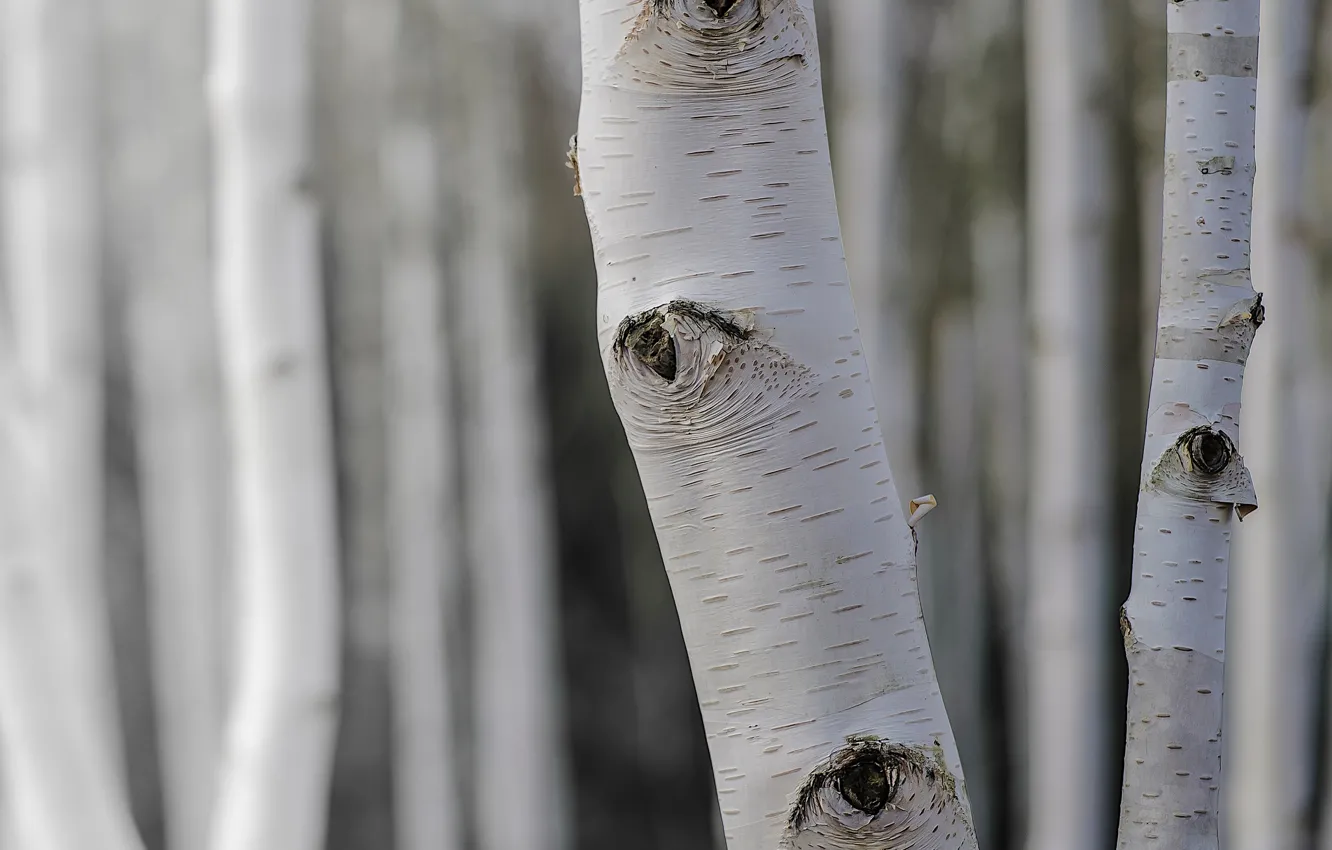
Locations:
735 361
1194 481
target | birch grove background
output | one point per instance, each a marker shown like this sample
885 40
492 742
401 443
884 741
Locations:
314 509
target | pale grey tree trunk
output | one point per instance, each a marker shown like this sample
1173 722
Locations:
1281 551
1069 527
159 184
871 73
518 715
58 718
423 505
274 783
1194 482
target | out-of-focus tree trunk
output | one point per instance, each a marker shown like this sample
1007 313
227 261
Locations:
353 55
57 693
422 500
282 724
1281 551
872 67
1069 525
160 196
518 709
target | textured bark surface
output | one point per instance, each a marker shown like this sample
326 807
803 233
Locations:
1194 483
734 360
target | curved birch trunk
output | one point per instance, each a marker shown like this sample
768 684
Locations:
279 744
1281 550
62 737
161 196
1069 522
1194 482
734 359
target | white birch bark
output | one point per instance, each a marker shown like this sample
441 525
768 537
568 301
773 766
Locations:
423 506
519 723
1194 483
279 744
870 75
1069 508
733 356
1281 550
160 196
58 717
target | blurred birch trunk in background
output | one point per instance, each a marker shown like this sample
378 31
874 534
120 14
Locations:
62 741
354 61
273 787
518 714
1069 523
1280 576
423 505
159 189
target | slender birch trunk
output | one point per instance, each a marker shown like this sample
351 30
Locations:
1070 511
160 185
1282 549
1194 482
734 360
279 746
58 717
423 505
519 717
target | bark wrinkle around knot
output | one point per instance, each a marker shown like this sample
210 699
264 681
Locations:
880 796
687 376
1204 465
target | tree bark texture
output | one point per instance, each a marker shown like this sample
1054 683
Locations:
735 361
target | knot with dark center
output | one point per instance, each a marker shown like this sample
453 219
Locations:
654 346
1209 450
721 7
864 784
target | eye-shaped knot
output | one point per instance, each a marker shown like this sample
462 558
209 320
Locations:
1210 450
1204 465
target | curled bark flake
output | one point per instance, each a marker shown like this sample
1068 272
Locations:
878 795
1204 465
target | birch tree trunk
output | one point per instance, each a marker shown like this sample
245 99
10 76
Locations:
519 719
279 746
159 179
1069 521
1282 550
733 356
1194 482
57 692
423 504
